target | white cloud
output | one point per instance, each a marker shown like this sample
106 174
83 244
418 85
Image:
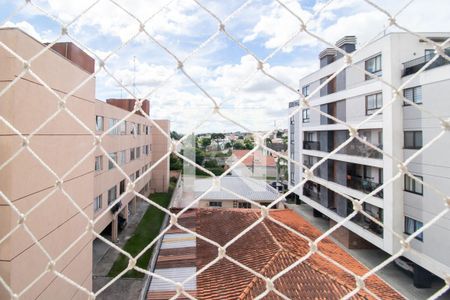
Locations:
25 26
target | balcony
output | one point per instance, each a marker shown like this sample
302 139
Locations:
363 184
413 66
311 145
309 191
357 148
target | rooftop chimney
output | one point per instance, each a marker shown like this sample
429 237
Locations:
76 55
327 56
347 43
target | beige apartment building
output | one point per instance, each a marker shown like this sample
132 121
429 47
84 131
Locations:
61 143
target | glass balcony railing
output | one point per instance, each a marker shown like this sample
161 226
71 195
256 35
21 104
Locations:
311 145
363 185
357 148
413 66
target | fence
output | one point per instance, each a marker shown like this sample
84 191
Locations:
260 67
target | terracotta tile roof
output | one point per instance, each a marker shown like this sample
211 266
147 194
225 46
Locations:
256 158
268 249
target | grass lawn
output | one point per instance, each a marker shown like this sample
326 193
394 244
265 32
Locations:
146 231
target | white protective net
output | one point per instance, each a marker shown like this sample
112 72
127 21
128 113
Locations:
216 110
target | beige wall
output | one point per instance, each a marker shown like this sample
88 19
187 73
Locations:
161 177
106 179
56 223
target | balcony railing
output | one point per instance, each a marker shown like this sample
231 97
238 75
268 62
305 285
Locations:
309 192
363 185
357 148
310 145
412 66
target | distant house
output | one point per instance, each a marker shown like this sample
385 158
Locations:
267 248
231 189
255 165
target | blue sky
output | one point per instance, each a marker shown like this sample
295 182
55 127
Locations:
220 66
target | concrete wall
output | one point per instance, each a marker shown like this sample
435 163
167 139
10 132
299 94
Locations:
61 144
161 178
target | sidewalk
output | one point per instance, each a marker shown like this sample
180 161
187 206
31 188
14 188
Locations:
104 257
398 279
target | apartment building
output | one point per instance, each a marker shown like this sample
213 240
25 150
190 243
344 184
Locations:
61 143
356 170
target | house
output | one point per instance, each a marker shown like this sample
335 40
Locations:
267 248
255 165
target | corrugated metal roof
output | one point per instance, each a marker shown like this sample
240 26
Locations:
178 240
175 274
253 189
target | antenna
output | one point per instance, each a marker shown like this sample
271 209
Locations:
134 75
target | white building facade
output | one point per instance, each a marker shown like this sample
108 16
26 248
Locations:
400 130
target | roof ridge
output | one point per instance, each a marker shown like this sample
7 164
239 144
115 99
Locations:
263 270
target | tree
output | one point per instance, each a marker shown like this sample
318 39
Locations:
175 162
212 163
205 142
239 146
279 134
268 141
199 156
248 144
175 135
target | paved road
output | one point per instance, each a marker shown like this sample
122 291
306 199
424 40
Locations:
398 279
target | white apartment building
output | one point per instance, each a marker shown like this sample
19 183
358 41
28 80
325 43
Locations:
356 170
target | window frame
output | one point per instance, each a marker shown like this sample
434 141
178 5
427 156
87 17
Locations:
377 72
415 145
97 127
305 90
306 117
410 185
115 194
243 204
100 164
417 225
371 111
219 203
414 93
98 201
114 157
132 154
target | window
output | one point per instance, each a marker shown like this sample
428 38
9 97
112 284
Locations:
413 94
98 163
99 123
112 123
138 152
122 187
132 177
138 129
305 90
123 127
215 204
413 186
112 194
429 53
145 149
305 115
373 103
292 121
373 65
412 139
137 174
122 157
132 156
133 128
114 158
97 203
309 136
412 225
244 205
147 130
